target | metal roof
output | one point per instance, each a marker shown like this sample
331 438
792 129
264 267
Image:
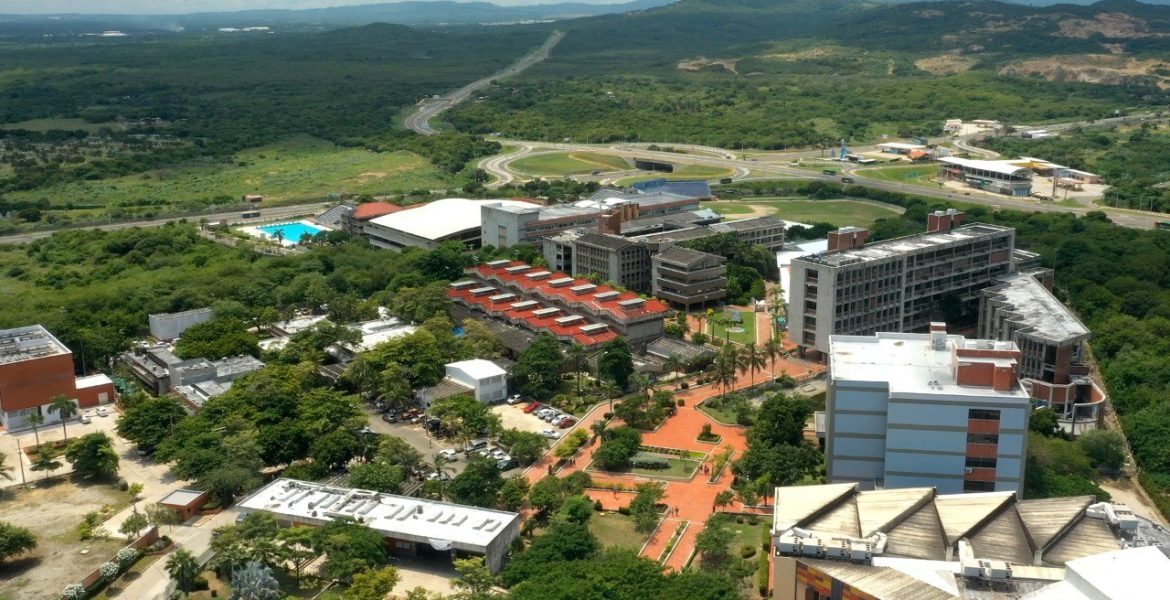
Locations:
28 343
880 582
1000 167
1034 309
443 218
685 256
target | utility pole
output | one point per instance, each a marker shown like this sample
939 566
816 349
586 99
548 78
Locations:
20 461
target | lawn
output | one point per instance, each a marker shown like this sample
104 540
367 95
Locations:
746 534
560 164
912 174
299 168
679 467
721 413
616 530
747 336
685 172
730 208
838 212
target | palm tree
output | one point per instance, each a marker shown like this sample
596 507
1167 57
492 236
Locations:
752 359
5 470
577 355
642 383
36 419
710 314
362 374
725 367
279 236
67 408
439 464
674 364
774 349
183 568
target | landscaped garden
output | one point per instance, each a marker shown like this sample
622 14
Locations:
614 529
736 326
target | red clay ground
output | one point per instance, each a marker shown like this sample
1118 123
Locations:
691 501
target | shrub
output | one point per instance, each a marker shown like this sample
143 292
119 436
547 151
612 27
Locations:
74 591
126 557
200 584
109 570
739 519
682 402
649 461
624 510
597 505
684 386
747 551
765 540
762 575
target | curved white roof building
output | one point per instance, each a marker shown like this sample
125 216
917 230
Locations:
428 225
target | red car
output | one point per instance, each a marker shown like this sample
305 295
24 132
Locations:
531 407
567 423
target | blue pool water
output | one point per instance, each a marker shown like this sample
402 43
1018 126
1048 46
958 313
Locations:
293 232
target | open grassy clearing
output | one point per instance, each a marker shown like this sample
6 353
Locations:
569 163
42 125
748 326
912 174
685 172
616 530
302 167
679 467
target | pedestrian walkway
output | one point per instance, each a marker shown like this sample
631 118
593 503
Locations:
655 547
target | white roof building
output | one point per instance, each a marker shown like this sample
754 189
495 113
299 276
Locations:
484 379
428 225
407 522
1118 575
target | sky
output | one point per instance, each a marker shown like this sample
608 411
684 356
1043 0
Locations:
189 6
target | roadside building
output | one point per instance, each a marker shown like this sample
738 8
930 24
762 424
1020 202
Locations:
168 326
1021 309
413 527
36 367
373 332
858 288
907 410
901 148
1000 177
612 258
196 379
185 502
483 379
355 220
838 541
689 278
428 225
571 309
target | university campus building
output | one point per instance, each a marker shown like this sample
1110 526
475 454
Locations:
35 367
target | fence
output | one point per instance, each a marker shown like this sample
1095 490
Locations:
151 536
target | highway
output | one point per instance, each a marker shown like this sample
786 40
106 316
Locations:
267 215
419 121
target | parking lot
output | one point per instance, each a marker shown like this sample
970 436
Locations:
414 435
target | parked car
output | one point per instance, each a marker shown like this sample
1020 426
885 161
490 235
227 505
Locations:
531 407
557 419
507 464
551 434
551 415
449 454
499 454
103 411
514 399
544 412
478 444
390 418
569 422
85 418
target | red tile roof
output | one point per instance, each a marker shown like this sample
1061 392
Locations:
611 306
370 210
503 308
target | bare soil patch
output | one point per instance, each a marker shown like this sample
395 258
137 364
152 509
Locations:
1106 69
53 511
946 64
1112 25
702 62
809 54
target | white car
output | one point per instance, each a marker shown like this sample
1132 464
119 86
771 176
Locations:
449 454
551 434
499 454
103 411
558 419
85 419
515 399
544 412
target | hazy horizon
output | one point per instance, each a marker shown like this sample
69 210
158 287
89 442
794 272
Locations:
177 7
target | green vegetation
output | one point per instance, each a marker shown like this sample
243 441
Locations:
682 173
675 467
914 174
569 163
615 530
46 125
742 332
836 212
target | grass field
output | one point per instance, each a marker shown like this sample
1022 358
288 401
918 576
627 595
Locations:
297 168
837 212
43 125
912 174
747 336
686 172
560 164
616 530
679 467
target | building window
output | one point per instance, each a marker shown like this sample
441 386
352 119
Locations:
982 438
978 486
981 463
983 414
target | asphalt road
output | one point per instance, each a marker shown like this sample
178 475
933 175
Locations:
232 218
419 121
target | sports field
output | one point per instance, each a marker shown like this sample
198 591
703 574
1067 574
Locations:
560 164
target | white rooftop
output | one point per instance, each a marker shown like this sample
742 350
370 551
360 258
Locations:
904 245
442 218
93 381
1003 167
478 368
1035 308
400 517
1118 575
910 365
181 497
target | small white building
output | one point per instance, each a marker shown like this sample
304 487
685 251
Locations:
486 378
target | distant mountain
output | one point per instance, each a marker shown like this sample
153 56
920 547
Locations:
407 13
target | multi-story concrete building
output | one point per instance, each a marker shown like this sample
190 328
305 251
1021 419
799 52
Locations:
688 277
1020 308
757 231
856 288
429 225
36 367
197 379
168 326
612 258
572 309
508 225
910 410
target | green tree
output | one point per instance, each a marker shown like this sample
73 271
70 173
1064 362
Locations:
538 371
216 339
1105 449
547 495
336 448
228 481
475 581
478 485
134 523
183 568
576 509
563 541
36 419
15 541
644 506
93 456
45 459
372 584
254 581
577 356
65 408
616 362
725 366
752 359
296 547
5 470
396 451
161 516
377 476
714 543
526 447
619 445
149 422
350 548
513 492
1045 422
722 499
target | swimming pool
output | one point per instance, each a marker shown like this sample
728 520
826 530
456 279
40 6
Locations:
290 232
